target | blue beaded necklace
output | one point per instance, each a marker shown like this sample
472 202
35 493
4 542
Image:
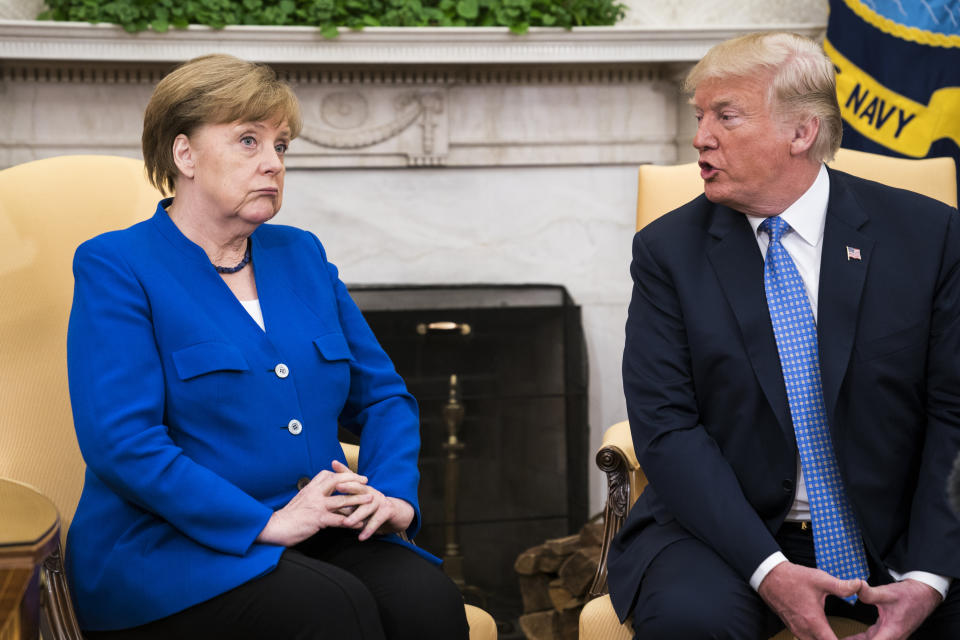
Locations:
243 263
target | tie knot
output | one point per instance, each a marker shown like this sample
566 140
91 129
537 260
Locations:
775 226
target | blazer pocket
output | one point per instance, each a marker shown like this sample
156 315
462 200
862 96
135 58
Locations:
333 346
891 343
208 357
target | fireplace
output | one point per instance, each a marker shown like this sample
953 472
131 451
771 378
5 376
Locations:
500 376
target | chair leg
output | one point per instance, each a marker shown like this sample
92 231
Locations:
56 607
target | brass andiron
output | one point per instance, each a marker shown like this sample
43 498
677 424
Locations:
453 412
452 417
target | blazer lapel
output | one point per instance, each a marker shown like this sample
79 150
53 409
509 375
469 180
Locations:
841 285
284 312
202 282
277 302
738 263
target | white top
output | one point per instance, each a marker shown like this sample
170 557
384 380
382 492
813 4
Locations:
807 218
253 308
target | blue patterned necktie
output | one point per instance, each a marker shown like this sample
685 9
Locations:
836 536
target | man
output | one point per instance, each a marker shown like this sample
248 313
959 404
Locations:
792 376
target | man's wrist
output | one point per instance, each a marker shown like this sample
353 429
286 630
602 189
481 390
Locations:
766 567
940 584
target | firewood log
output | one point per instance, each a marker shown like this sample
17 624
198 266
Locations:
578 570
563 546
561 597
541 625
526 562
535 592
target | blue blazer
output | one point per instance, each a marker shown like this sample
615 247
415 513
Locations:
184 423
707 402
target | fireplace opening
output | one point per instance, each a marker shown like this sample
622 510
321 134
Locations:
500 374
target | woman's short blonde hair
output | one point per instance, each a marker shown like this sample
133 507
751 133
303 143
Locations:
213 89
803 83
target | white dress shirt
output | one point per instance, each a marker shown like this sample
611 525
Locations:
807 217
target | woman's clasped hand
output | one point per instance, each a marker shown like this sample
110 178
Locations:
336 498
377 514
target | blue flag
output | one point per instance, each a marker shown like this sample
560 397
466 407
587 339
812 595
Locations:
898 75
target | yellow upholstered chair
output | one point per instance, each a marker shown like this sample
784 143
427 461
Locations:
47 208
662 189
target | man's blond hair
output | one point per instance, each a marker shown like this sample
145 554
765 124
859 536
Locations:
802 80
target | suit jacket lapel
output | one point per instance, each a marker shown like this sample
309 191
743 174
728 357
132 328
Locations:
841 286
738 263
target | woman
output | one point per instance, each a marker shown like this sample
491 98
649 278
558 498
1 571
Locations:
211 358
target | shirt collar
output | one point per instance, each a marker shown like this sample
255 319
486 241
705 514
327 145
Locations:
808 215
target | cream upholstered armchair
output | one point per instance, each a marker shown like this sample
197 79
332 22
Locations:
662 189
47 208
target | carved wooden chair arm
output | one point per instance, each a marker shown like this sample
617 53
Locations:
625 480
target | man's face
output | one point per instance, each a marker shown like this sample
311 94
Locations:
744 148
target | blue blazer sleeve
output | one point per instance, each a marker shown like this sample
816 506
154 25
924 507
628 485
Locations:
379 408
117 393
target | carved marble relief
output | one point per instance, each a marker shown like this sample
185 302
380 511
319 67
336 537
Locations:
382 123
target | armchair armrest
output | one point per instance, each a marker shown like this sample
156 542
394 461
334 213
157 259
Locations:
625 481
352 453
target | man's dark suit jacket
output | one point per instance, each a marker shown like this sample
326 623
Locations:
706 398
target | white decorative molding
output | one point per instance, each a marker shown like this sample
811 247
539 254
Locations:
73 41
127 72
378 122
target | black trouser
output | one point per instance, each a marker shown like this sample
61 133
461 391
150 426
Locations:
330 586
689 592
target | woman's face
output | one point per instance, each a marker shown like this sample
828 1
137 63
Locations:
236 169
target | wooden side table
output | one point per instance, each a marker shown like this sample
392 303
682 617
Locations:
29 536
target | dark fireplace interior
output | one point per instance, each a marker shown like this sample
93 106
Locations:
500 375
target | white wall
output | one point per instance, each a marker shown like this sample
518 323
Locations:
20 9
670 13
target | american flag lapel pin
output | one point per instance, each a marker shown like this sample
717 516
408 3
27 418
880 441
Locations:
853 253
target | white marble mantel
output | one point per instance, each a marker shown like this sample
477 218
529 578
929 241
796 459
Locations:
33 40
381 97
429 156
